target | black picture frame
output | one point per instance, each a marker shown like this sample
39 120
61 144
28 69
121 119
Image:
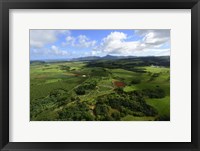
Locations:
5 5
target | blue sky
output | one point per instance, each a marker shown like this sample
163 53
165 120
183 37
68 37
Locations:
67 44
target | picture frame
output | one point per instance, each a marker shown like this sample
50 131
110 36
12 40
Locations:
5 5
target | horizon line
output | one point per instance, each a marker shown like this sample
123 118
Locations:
68 59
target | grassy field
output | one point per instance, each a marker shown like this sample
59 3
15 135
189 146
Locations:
103 90
162 105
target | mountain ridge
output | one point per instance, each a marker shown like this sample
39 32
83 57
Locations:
107 57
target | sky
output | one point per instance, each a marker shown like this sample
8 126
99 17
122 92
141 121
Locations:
68 44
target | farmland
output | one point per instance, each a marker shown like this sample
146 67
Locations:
132 89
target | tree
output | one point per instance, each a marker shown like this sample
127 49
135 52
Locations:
101 109
80 90
135 81
116 116
154 93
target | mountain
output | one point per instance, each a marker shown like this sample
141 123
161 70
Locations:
110 57
107 57
86 58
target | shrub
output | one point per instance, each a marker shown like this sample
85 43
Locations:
135 81
154 93
80 90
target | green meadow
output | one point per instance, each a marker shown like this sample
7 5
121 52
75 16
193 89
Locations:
135 89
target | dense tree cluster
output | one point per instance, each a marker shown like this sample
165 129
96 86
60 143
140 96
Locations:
64 67
136 81
109 107
89 85
99 72
131 102
154 93
56 98
78 111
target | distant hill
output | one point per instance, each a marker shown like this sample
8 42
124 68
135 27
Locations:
107 57
98 58
86 58
131 63
37 62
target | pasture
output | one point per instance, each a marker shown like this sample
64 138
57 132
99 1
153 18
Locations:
83 90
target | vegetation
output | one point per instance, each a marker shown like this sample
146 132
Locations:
133 89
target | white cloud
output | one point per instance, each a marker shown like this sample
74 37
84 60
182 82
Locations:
70 40
118 43
39 38
152 52
150 42
81 41
115 43
154 37
53 51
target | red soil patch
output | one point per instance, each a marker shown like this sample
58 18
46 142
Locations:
119 84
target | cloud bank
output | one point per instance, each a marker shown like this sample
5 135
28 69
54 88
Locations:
117 43
76 43
39 38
